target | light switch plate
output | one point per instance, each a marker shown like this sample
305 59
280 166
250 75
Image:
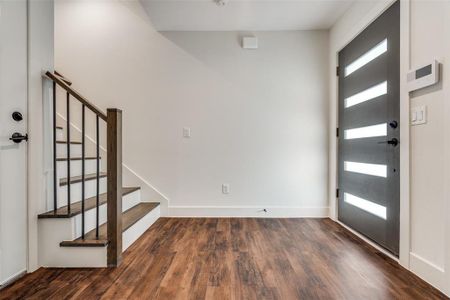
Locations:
225 188
418 115
250 42
186 132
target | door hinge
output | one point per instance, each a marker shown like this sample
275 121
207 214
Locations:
337 132
337 193
337 70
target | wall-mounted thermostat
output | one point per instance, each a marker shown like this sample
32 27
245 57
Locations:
423 76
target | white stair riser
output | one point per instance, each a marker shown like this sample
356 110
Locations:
131 200
90 216
89 221
90 190
61 150
51 233
138 228
60 134
90 166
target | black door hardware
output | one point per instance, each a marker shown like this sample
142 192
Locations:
17 116
18 137
394 142
393 124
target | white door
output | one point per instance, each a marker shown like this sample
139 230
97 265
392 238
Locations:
13 156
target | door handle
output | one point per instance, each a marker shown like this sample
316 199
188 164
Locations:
394 142
18 137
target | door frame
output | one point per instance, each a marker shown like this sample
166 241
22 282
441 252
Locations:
40 157
353 32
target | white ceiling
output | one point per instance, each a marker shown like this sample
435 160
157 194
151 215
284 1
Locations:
244 15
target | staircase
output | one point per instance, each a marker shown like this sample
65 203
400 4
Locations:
93 218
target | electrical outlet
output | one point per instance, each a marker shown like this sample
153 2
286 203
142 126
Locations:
225 188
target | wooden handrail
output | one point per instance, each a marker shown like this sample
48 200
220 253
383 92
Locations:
63 78
57 79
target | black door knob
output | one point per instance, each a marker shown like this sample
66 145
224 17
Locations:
17 116
393 124
394 142
18 137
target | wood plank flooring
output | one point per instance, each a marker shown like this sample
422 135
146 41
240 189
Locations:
235 259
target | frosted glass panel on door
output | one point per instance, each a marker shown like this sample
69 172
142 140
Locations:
366 132
366 95
364 168
370 207
367 57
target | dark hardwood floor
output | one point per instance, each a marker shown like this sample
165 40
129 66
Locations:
235 259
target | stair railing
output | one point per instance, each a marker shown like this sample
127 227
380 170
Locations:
113 119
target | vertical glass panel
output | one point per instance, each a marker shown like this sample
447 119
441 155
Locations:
363 168
370 93
366 58
365 132
370 207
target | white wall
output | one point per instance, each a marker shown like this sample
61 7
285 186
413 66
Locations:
40 57
258 118
425 225
430 148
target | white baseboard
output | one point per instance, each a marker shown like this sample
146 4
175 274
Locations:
248 211
12 278
429 272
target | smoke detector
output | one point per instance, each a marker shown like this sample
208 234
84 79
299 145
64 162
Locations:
221 2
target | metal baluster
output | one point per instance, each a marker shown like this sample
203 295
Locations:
55 203
68 150
82 169
98 178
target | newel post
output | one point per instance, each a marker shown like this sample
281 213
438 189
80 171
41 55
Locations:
114 178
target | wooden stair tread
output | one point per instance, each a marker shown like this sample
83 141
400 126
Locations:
84 243
77 158
77 179
129 218
72 142
75 208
